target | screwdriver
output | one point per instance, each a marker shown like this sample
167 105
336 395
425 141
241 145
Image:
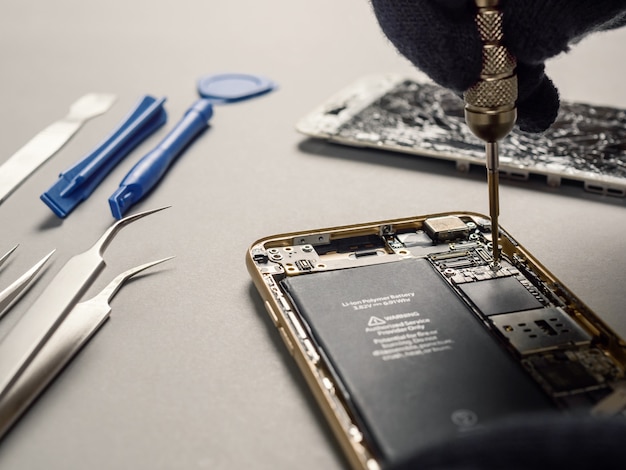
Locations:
490 110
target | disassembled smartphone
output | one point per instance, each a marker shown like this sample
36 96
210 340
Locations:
408 334
410 115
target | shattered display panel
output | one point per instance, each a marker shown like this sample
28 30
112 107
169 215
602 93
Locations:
410 334
586 143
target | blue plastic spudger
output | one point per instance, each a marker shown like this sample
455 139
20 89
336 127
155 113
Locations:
78 182
151 168
221 88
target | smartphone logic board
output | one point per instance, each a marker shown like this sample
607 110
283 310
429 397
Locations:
408 334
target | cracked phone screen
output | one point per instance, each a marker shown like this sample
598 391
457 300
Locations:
586 143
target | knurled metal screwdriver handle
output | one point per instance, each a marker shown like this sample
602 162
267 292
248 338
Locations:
490 103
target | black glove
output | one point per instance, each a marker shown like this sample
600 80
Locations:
538 442
441 38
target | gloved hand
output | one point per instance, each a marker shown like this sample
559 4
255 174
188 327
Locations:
441 38
539 442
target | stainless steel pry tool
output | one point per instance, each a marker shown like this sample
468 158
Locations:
46 143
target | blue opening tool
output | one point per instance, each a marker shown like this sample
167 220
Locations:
215 89
40 321
80 325
78 182
10 295
151 168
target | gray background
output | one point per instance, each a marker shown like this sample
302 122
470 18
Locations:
188 373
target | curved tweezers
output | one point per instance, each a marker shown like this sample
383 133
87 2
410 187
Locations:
74 332
34 328
12 294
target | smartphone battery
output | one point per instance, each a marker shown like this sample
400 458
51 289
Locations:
415 365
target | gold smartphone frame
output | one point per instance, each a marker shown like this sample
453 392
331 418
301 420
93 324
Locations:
295 335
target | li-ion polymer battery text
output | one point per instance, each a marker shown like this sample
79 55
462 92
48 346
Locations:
416 366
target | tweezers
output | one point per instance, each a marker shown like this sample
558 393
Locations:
10 295
81 324
22 343
7 254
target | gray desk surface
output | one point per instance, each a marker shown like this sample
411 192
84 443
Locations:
188 373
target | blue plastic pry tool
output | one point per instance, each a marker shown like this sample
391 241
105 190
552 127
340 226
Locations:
219 89
151 168
78 182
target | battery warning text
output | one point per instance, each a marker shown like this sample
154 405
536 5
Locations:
404 335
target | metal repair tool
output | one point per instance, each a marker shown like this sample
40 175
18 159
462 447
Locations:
78 182
7 254
10 295
40 148
80 325
28 335
214 89
490 109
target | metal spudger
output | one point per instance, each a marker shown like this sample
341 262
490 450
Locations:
28 335
74 332
490 103
46 143
12 294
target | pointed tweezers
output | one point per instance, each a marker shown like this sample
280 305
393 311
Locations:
26 338
15 291
7 254
75 331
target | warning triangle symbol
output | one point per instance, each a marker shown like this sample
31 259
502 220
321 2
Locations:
375 321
